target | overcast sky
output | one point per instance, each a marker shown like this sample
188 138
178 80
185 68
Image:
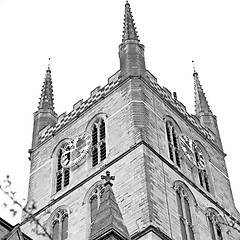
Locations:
82 37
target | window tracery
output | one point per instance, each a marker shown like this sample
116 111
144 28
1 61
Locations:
98 141
214 225
184 211
60 225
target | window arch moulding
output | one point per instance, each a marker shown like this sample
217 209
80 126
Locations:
180 184
58 223
186 206
91 201
97 128
216 224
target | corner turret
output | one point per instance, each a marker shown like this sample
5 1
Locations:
202 109
131 51
45 114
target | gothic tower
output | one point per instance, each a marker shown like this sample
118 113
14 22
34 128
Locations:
171 180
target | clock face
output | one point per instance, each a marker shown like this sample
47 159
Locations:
200 162
186 145
82 145
192 151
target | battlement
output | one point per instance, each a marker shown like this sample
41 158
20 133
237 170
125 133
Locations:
79 108
165 94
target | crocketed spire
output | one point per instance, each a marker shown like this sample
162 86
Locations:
45 114
109 222
201 103
129 29
46 99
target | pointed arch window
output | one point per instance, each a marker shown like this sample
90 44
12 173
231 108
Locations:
63 172
214 225
184 212
60 225
98 141
173 145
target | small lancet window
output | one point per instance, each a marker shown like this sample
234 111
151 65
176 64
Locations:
60 225
184 212
63 172
173 143
98 141
214 225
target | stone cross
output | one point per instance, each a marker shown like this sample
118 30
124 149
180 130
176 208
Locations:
108 178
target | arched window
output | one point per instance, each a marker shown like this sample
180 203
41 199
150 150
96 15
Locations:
184 212
98 141
214 225
200 162
60 225
173 143
63 167
94 201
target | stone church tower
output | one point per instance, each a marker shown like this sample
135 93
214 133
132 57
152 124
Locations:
168 167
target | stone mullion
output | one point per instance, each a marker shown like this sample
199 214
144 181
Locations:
60 229
215 229
184 215
169 138
204 179
172 145
98 141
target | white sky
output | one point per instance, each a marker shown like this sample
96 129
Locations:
83 38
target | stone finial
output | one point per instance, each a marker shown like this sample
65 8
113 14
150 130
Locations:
108 179
46 99
201 103
108 223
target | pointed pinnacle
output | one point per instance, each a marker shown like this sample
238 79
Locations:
129 29
201 103
46 99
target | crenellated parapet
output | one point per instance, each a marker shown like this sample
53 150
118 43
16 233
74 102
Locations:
166 95
99 93
79 108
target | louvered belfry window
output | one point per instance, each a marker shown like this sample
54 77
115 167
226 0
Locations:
98 141
60 225
63 173
185 217
173 143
